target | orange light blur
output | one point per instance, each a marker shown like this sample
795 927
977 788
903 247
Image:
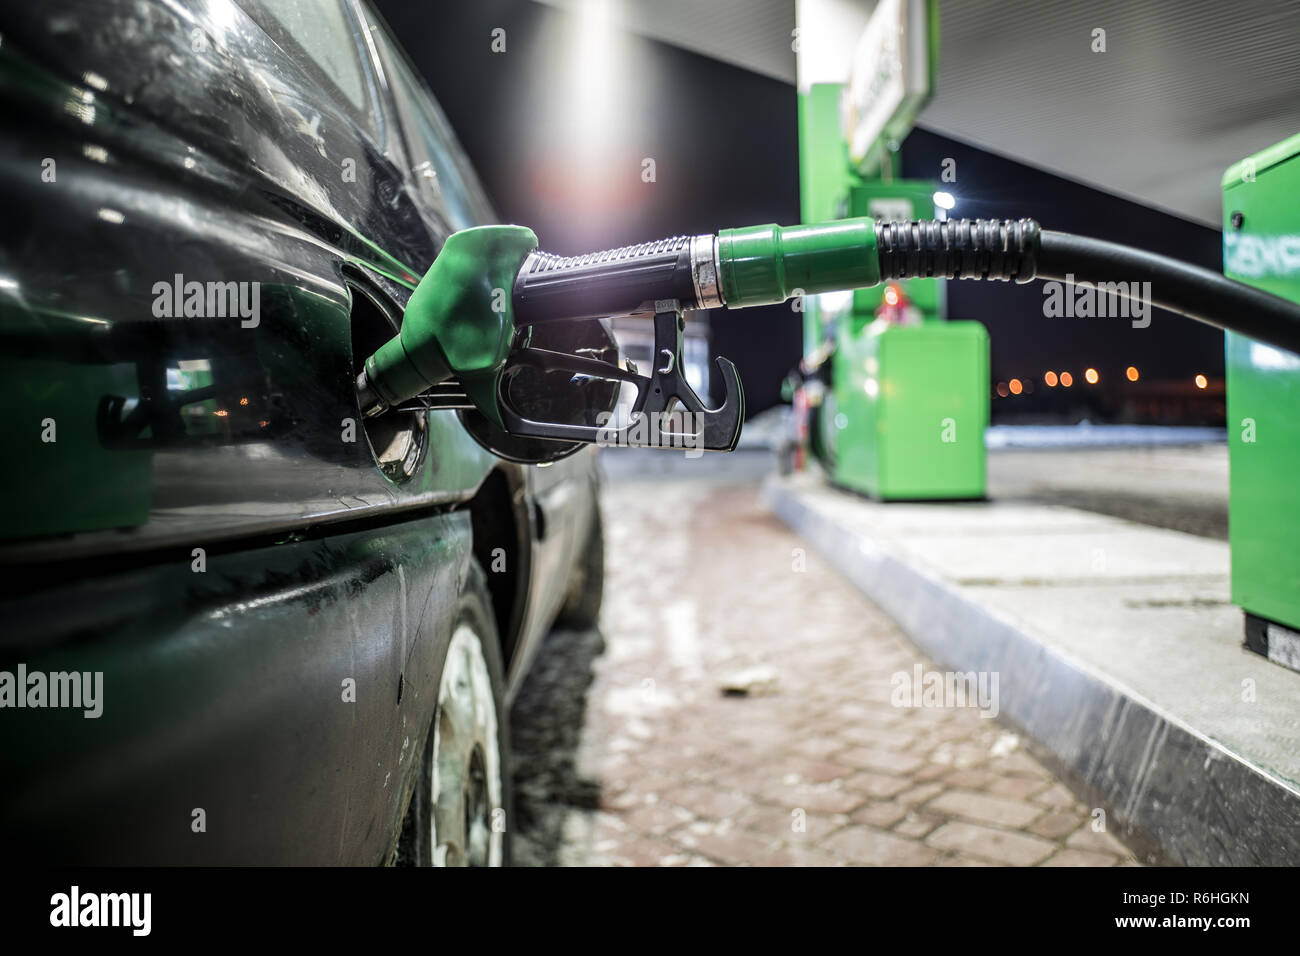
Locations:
1050 379
1016 386
891 295
1066 379
243 401
1091 376
1002 389
221 413
1132 373
1202 381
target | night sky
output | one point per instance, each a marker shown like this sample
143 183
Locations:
724 145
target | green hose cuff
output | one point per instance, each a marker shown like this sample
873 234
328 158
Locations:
762 265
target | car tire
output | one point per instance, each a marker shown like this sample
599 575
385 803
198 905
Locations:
461 811
581 608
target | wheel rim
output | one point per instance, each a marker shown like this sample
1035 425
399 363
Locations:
467 826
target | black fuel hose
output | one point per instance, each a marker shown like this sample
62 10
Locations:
1019 250
1180 287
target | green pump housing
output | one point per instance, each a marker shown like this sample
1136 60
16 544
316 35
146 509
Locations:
1261 233
905 414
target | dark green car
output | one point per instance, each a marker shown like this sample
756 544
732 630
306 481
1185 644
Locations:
242 622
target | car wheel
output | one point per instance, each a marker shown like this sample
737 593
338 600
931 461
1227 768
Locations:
460 812
581 608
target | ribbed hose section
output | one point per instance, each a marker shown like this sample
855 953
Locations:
1005 249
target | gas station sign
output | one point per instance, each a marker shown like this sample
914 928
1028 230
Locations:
890 79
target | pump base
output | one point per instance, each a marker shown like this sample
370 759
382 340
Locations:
1279 643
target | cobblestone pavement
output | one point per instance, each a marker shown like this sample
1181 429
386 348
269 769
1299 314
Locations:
653 765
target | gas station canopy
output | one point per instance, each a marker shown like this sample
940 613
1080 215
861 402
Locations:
1184 89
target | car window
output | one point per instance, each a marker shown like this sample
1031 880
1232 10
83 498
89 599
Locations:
444 179
318 35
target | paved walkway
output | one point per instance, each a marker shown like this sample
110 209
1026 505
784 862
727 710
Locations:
819 768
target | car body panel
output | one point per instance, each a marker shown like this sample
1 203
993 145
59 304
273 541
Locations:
206 525
267 710
232 215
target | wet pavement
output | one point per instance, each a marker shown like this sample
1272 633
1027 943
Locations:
1180 488
628 751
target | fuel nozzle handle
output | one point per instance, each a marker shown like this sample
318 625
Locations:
756 265
765 265
624 281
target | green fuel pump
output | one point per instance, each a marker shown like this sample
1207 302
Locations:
470 318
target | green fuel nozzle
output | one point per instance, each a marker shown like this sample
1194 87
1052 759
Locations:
464 319
458 322
490 281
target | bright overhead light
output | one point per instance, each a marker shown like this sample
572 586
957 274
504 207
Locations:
594 78
1266 356
833 303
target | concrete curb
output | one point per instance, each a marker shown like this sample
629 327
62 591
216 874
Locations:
1200 803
